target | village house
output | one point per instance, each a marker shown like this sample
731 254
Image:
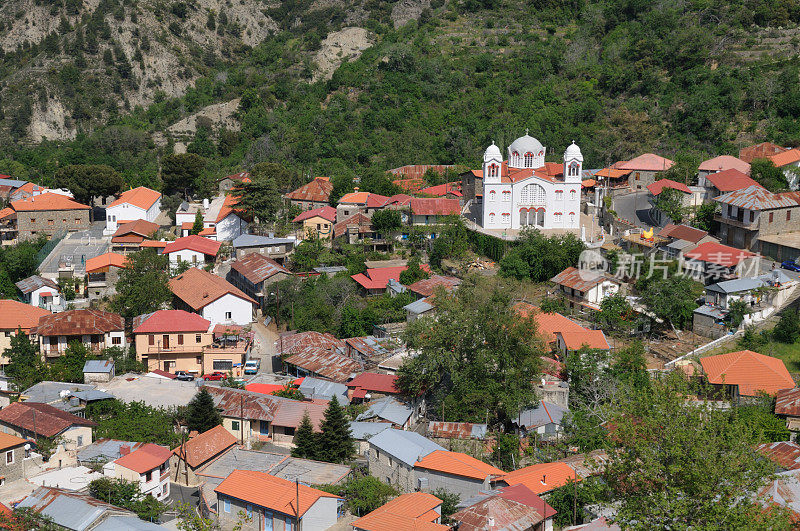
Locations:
762 150
226 183
413 510
313 195
400 414
254 273
644 170
656 188
370 350
317 223
375 281
716 184
682 239
358 229
428 286
270 502
515 507
14 450
357 203
712 261
745 374
320 361
363 431
31 420
198 451
545 419
8 185
8 226
96 329
432 211
439 431
47 214
393 454
787 406
720 164
221 220
194 250
129 237
40 292
213 297
541 478
14 316
756 219
98 371
102 451
276 248
581 292
137 204
318 389
147 466
446 190
419 308
102 273
66 396
371 386
789 162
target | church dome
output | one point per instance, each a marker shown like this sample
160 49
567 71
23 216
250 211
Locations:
492 152
573 152
526 144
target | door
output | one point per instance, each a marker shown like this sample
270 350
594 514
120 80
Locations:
165 341
264 428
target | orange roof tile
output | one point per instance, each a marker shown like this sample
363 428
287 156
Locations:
543 477
8 441
199 288
358 198
194 243
228 207
7 212
751 371
786 157
413 511
318 191
270 492
731 180
612 173
326 212
647 162
145 458
153 243
203 447
457 464
377 278
760 151
424 206
104 261
658 186
577 339
15 314
724 162
47 201
141 197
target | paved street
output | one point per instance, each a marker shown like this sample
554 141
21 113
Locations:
264 345
76 248
634 208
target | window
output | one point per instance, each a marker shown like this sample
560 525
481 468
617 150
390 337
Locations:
116 340
234 425
506 196
493 170
638 175
249 511
164 489
228 315
77 221
64 221
532 194
788 215
80 440
180 339
492 196
572 194
226 505
148 476
572 218
559 195
197 338
151 340
528 159
515 158
557 217
491 217
10 457
223 365
27 453
506 218
752 216
289 431
770 217
33 220
50 222
573 169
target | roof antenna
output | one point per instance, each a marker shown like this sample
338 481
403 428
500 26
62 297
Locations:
526 131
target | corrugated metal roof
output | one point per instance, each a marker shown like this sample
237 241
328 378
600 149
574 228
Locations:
788 402
758 198
543 414
785 454
418 307
252 240
257 268
364 430
32 283
324 390
72 510
388 408
456 430
407 446
98 366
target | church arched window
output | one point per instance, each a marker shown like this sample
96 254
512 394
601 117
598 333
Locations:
492 195
528 159
506 195
572 195
491 217
532 194
573 169
493 170
515 159
572 218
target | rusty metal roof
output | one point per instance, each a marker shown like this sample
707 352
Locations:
788 402
257 268
571 278
31 284
784 454
80 322
318 190
758 198
456 430
289 344
237 402
317 359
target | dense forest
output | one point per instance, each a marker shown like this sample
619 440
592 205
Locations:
685 79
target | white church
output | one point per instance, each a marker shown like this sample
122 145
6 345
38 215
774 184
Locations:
527 191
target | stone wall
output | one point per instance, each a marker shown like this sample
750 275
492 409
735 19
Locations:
49 222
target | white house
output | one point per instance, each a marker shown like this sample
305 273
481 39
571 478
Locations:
194 250
148 466
40 292
789 162
220 219
527 191
586 290
139 203
216 299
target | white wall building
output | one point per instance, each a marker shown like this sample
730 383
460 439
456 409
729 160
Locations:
527 191
139 203
148 466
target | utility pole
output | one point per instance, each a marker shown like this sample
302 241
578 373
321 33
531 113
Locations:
277 309
241 418
297 504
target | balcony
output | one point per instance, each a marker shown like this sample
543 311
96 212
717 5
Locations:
197 349
749 225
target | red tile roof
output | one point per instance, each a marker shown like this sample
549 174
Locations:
716 253
140 197
785 158
788 402
356 198
145 458
194 243
14 314
205 446
153 243
318 191
647 162
242 176
264 389
199 288
270 492
257 268
326 212
7 213
760 151
612 173
751 371
440 190
577 339
48 420
543 477
379 277
8 441
730 180
409 185
47 201
105 261
228 207
427 286
80 322
424 206
413 511
169 321
376 200
571 278
399 200
785 454
374 382
724 162
522 494
457 464
682 232
658 186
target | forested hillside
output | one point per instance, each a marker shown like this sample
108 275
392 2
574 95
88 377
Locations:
119 83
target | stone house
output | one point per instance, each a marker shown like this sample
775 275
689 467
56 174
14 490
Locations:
393 454
14 316
102 274
33 420
195 453
747 216
13 451
96 329
147 466
48 214
254 273
581 292
644 170
227 182
98 371
312 195
276 248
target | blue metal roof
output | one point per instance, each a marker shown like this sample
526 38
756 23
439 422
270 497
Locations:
324 389
98 366
711 311
538 416
16 183
418 307
388 408
407 446
364 430
252 240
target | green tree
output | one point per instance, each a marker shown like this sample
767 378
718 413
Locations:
285 178
670 202
673 299
197 226
335 441
788 328
87 181
767 175
134 421
126 494
737 310
180 173
478 357
450 501
452 241
8 290
202 414
260 198
306 442
704 216
505 453
362 494
412 273
553 305
24 361
570 501
540 258
69 366
143 285
386 222
616 316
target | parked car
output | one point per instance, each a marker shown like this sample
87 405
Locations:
251 366
215 376
184 376
791 265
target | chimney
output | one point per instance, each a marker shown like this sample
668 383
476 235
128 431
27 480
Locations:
544 477
205 204
124 449
355 189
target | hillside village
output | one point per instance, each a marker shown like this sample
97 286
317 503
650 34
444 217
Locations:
487 348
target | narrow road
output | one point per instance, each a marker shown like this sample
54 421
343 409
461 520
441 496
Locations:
264 344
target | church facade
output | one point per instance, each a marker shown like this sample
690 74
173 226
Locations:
527 191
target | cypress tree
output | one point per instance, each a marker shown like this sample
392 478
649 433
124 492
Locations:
336 441
305 440
201 414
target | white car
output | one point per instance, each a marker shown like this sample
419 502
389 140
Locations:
251 366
